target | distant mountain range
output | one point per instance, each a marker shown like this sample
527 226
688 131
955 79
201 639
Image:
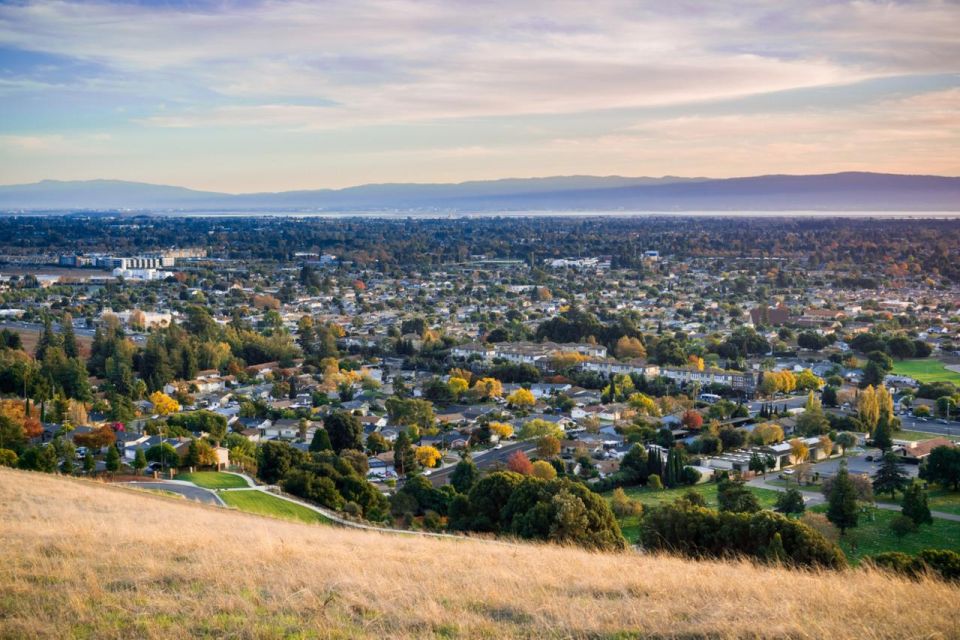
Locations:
852 191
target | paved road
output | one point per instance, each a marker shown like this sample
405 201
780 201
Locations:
791 402
80 330
485 460
190 492
909 423
812 498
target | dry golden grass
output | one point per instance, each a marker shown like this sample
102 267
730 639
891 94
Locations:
79 559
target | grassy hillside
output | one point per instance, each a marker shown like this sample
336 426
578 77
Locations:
83 560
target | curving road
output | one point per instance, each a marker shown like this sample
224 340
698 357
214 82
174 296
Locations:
189 491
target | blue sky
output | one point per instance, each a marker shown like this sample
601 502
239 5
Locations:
266 96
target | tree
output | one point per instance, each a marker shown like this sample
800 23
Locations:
548 446
634 464
538 428
113 460
842 508
404 457
521 399
464 475
790 502
200 454
163 404
654 482
428 456
733 495
757 463
321 441
377 444
8 458
890 477
518 462
89 464
344 431
139 461
501 429
623 506
901 525
812 422
68 336
914 505
799 451
883 434
628 347
457 386
692 419
275 460
845 440
543 470
943 467
868 409
488 388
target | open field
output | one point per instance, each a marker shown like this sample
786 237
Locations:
926 370
914 436
86 560
30 339
213 479
937 498
264 504
872 537
653 497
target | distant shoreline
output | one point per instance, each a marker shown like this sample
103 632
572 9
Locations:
441 215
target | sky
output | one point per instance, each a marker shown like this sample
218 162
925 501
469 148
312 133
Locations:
247 95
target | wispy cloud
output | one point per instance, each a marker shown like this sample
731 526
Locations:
348 69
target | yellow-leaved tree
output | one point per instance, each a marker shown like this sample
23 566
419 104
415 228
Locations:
521 398
428 456
163 404
502 429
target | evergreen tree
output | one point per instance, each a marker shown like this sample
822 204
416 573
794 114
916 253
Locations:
89 464
843 510
883 434
733 495
890 477
915 504
344 430
113 459
404 457
69 337
321 441
48 338
791 501
140 461
654 464
674 469
464 475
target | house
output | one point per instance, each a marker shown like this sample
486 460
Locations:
917 452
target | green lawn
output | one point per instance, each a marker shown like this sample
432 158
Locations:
872 537
652 497
213 479
265 504
926 370
914 436
938 499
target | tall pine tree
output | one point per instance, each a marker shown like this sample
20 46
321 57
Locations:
843 511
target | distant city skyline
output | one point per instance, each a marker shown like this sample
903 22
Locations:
252 96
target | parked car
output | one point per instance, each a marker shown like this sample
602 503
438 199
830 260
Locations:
81 453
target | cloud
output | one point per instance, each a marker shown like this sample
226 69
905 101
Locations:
235 93
398 60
